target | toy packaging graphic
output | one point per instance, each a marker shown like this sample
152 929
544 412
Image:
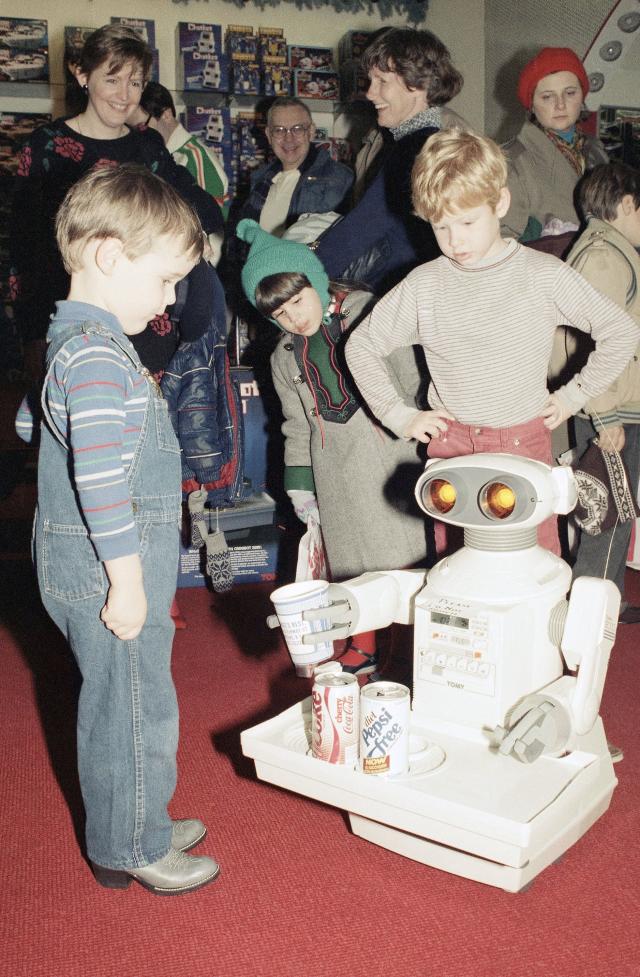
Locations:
311 58
272 44
277 79
145 28
339 149
204 39
24 50
210 123
205 72
245 77
241 44
315 84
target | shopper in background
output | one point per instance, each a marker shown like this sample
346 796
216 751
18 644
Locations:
550 153
112 71
157 110
302 179
410 78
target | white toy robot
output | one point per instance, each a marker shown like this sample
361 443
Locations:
509 763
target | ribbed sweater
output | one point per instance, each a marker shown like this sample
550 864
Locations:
97 402
487 333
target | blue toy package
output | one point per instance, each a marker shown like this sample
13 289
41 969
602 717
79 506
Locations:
203 39
205 73
145 28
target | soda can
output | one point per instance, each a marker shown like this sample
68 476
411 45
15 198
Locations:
384 729
335 703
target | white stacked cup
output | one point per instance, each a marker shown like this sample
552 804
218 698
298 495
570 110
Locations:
290 601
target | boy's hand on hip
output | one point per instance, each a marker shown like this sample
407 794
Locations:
428 424
125 611
554 412
611 438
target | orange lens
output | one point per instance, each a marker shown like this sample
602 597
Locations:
498 500
441 496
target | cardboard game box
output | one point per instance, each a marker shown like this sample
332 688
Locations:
24 50
315 84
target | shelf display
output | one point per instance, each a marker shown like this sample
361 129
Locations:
24 50
15 127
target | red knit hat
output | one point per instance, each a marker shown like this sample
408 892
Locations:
547 61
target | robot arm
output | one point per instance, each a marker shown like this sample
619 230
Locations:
368 603
550 720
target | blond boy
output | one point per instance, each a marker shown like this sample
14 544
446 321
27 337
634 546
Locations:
106 527
485 313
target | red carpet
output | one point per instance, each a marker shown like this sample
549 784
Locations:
299 896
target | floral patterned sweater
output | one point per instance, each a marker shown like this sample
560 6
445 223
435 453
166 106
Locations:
51 161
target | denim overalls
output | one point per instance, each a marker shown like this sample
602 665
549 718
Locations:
127 732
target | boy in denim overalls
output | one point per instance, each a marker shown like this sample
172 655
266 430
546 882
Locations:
106 528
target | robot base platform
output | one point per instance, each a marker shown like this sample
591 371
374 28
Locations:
462 807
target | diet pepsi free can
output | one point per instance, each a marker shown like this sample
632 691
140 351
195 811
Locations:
384 729
335 703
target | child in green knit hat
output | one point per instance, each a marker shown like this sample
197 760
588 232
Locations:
341 466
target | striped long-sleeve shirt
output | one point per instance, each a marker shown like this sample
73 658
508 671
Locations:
487 332
97 403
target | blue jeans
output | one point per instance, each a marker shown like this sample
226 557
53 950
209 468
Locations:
127 730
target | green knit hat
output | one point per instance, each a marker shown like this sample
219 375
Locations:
271 255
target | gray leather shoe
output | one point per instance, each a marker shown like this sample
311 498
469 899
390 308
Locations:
172 875
187 833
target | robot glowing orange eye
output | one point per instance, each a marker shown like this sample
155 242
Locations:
440 496
497 500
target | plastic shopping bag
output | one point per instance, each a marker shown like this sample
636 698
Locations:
312 560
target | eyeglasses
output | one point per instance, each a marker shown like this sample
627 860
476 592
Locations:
279 132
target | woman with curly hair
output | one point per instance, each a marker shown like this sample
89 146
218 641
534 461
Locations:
410 78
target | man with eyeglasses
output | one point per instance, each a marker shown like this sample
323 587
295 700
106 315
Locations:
302 179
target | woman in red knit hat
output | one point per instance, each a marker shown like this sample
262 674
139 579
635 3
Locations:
550 153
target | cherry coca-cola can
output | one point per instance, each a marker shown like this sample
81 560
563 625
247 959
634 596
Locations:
335 702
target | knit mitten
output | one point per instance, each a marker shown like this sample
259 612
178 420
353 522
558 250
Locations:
218 562
199 530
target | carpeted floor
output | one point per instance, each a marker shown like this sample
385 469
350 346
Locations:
298 895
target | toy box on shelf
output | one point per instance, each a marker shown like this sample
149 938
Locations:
354 82
311 58
241 43
352 45
145 28
272 44
277 79
200 38
245 77
213 124
315 84
24 50
204 72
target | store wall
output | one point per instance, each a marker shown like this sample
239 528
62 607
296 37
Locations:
460 24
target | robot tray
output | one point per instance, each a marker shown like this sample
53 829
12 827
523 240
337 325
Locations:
462 807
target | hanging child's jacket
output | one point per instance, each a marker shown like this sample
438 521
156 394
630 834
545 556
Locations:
203 399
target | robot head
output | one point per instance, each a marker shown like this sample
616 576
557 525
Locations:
495 491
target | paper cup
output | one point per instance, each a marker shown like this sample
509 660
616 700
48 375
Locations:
290 601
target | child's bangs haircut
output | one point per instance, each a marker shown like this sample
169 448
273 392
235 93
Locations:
125 202
115 45
602 189
421 60
274 290
456 171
